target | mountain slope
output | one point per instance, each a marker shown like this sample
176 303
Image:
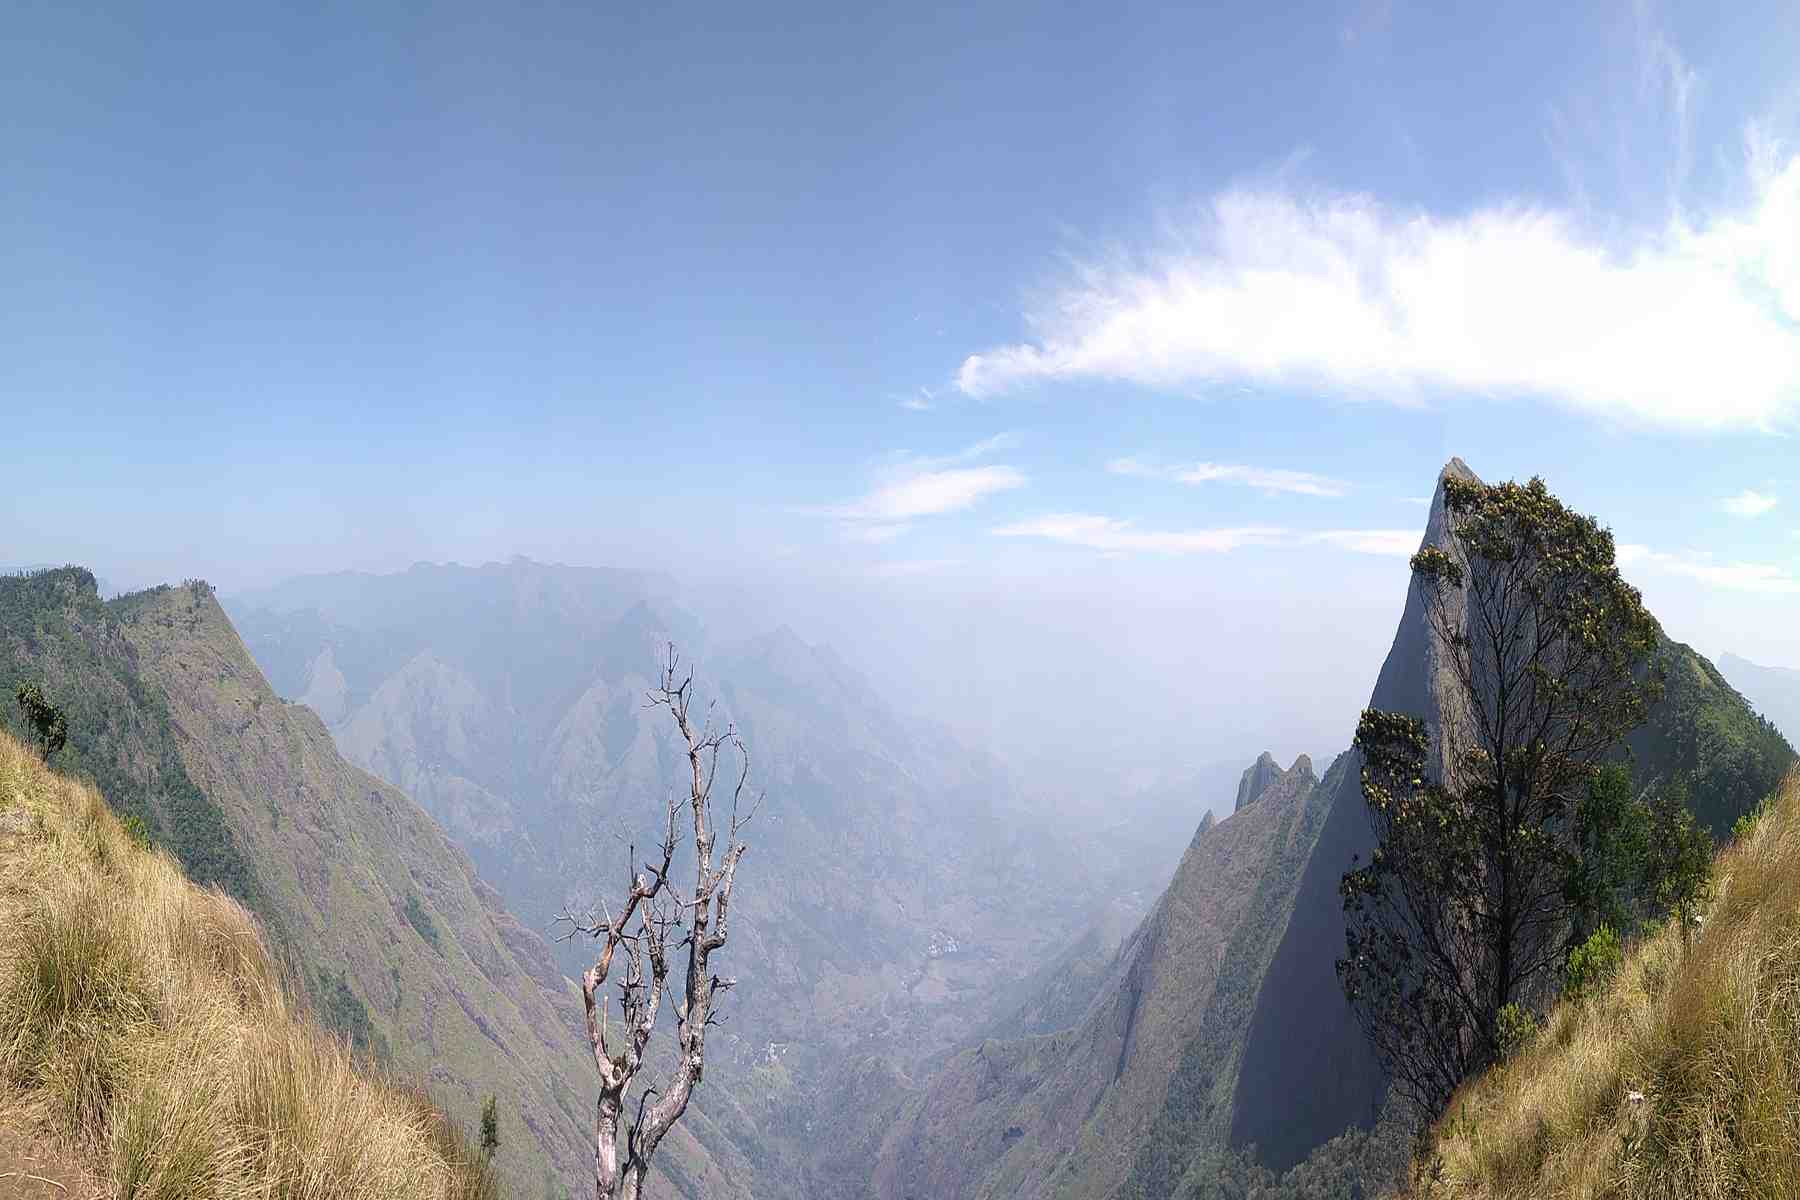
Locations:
399 942
1150 1064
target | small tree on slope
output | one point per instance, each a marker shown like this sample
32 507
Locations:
45 725
1465 908
638 940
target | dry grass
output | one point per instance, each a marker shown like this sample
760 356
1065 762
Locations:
1708 1036
145 1032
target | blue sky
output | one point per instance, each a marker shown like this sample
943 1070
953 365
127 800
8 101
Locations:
1140 329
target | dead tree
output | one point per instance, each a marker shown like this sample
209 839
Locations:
660 917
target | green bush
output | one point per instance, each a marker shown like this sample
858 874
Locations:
421 921
1593 963
1515 1026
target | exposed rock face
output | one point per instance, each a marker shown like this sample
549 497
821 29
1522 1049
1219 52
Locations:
1263 772
1256 777
1068 1113
1308 1073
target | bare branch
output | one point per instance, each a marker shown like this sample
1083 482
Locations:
648 926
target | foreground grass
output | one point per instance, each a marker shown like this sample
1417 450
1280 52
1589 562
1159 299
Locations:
1681 1079
149 1047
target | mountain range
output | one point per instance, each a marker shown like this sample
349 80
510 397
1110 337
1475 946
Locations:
949 987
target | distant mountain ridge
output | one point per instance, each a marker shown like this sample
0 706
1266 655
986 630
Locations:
1774 690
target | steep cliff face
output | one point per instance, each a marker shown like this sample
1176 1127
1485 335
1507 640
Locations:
1070 1113
1257 777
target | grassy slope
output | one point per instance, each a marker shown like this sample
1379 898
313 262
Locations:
1709 1037
148 1047
398 940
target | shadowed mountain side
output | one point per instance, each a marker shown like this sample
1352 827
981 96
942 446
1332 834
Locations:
1065 1113
1308 1072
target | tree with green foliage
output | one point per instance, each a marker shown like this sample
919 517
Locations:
45 724
1611 845
490 1127
1678 867
1464 907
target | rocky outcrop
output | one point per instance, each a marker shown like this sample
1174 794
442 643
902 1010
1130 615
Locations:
1263 772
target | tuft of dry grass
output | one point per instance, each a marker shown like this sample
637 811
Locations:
1680 1079
146 1034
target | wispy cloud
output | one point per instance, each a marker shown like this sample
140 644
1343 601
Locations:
1264 479
911 487
1748 503
1690 326
901 568
1732 576
1665 76
929 493
1111 535
1114 536
1400 542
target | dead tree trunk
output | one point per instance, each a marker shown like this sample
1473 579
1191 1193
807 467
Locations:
638 941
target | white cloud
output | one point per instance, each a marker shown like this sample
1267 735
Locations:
1115 536
1731 576
928 493
1265 479
1748 503
909 488
1401 542
1694 326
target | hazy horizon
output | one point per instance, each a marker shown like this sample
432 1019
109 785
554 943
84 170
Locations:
1080 376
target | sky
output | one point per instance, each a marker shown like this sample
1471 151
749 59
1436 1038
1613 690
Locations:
1079 370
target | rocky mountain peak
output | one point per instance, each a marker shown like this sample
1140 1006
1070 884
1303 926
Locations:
1265 771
